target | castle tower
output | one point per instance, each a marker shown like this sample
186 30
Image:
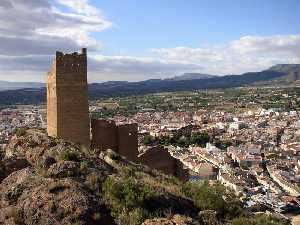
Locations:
67 98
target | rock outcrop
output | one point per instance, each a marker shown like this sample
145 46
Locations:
49 181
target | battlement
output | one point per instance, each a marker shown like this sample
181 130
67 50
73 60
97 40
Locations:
74 55
71 63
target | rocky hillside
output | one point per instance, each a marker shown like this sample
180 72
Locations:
291 75
49 181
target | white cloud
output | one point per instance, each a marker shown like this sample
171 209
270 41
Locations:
39 24
135 68
184 53
249 53
100 68
31 31
281 44
81 6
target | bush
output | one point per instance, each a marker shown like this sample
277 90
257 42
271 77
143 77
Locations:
70 155
127 171
20 132
127 200
126 194
135 217
94 181
259 220
148 140
213 197
84 166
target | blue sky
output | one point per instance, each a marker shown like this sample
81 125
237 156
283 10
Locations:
144 39
140 25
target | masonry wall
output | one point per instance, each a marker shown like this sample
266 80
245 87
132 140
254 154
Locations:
128 141
104 135
160 159
67 98
123 138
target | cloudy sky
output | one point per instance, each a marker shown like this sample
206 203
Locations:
141 39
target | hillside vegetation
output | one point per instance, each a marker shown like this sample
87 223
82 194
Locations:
49 181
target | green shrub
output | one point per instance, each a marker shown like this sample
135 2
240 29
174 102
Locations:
70 155
127 171
127 193
148 139
213 197
134 217
78 223
20 132
94 181
84 165
97 216
127 200
258 220
174 180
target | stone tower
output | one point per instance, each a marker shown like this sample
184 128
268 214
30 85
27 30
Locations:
67 98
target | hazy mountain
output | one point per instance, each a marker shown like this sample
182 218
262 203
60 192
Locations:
286 68
6 85
276 75
192 76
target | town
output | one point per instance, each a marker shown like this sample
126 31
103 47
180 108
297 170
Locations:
253 149
149 112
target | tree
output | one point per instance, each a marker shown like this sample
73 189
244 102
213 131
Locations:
148 139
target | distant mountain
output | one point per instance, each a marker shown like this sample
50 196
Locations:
154 86
192 76
291 74
276 75
286 68
6 85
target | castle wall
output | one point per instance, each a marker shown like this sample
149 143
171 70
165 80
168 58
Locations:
160 159
104 134
67 98
122 138
128 141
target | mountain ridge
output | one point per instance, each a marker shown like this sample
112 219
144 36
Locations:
192 76
281 68
9 85
276 76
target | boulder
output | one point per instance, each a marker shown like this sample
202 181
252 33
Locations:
10 165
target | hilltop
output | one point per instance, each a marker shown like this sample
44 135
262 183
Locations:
46 180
